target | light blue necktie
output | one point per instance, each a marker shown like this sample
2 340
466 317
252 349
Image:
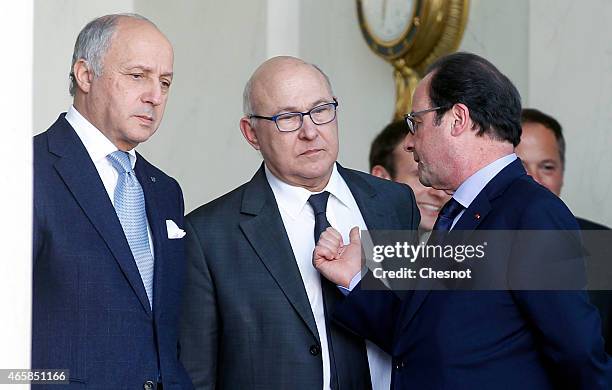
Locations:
130 208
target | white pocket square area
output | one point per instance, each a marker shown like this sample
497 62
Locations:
174 231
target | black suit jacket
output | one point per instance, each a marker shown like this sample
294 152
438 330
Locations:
90 311
247 321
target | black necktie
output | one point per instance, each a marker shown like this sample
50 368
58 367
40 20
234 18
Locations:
447 215
318 202
319 206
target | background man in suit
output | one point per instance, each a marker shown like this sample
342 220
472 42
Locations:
256 310
389 160
542 151
108 264
466 122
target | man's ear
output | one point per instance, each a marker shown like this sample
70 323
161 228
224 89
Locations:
461 119
380 171
249 133
83 75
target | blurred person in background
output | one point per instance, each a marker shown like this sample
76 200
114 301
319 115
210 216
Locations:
542 151
390 160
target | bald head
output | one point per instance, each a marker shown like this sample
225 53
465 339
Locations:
275 71
303 155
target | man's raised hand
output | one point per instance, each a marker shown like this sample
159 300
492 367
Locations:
337 262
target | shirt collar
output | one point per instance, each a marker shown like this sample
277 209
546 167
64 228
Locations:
292 199
470 188
96 143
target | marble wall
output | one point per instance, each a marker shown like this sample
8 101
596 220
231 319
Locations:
541 45
570 77
56 26
200 142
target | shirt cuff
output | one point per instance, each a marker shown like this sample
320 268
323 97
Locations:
356 279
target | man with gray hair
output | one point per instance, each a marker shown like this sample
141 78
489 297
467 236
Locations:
256 312
108 258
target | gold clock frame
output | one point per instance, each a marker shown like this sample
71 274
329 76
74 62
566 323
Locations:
436 29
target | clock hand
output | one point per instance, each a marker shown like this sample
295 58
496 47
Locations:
384 12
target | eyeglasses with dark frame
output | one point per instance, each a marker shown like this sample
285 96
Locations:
292 121
411 119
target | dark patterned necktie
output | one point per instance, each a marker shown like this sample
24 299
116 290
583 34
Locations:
447 215
318 202
319 206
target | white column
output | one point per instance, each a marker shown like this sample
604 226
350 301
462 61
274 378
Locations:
16 40
283 28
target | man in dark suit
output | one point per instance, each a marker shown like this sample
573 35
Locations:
542 151
108 258
466 123
256 310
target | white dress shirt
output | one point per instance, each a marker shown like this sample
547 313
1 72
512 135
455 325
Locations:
298 218
473 185
98 147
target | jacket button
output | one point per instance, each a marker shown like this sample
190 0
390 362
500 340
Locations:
315 350
148 385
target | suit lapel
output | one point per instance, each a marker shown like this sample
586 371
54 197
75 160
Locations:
474 215
266 233
370 208
82 179
366 197
481 205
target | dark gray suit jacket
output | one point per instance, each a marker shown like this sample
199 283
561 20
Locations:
247 322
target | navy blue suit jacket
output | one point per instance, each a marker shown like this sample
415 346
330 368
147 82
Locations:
596 239
489 339
90 312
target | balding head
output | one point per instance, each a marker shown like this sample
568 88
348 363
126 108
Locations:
303 155
264 75
94 40
124 95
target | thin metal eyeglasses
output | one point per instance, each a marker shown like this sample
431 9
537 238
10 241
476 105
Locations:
292 121
411 119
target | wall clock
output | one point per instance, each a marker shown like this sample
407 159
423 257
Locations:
411 34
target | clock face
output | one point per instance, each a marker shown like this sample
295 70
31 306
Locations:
387 20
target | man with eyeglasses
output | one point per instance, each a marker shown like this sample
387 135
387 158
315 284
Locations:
389 160
257 313
466 123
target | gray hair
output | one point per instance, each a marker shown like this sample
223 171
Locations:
93 43
247 104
